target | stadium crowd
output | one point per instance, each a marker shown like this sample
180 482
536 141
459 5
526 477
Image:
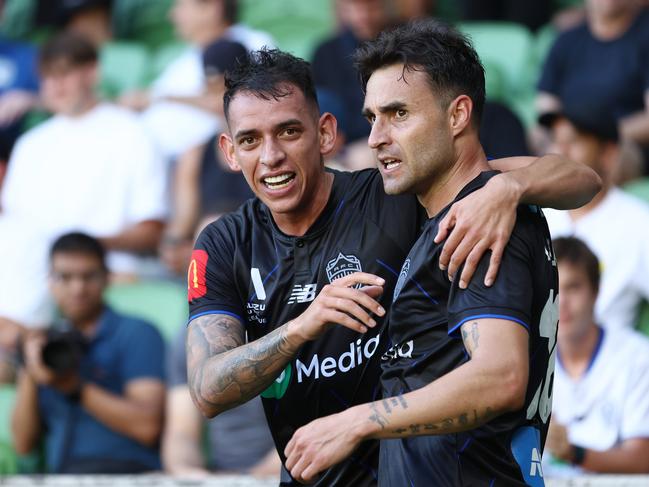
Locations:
110 166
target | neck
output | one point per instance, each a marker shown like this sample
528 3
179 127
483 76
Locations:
297 223
577 351
86 105
88 324
610 27
449 182
591 205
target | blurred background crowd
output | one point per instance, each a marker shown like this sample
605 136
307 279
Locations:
109 166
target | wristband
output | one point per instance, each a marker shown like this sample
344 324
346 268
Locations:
578 454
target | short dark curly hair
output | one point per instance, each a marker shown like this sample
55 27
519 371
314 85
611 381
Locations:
446 56
266 73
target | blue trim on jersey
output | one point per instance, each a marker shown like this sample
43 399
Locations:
491 484
596 350
479 317
432 300
383 264
338 208
254 295
410 279
466 444
217 312
340 399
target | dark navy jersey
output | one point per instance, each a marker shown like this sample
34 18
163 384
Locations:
424 326
244 266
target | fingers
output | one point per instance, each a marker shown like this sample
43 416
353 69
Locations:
494 263
359 278
456 237
351 300
445 226
471 263
372 291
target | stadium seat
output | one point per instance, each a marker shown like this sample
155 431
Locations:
143 21
162 57
638 188
123 67
17 19
162 303
297 25
8 457
643 320
507 45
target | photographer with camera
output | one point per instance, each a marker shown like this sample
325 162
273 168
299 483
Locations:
92 389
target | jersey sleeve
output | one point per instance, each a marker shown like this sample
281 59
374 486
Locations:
509 298
145 353
211 287
635 420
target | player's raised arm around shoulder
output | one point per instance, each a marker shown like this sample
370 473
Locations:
549 181
222 371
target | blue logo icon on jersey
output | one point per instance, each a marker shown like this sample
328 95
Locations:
526 448
403 275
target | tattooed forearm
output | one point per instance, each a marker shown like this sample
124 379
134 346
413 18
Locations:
223 372
388 406
462 422
471 336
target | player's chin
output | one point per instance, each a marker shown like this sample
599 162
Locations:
392 185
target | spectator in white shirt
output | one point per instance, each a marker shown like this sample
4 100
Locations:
614 224
600 419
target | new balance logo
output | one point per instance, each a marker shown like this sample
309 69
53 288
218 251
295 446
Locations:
303 294
535 464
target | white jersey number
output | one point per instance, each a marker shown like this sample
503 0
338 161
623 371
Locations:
542 401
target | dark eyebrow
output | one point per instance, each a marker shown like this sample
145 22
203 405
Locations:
390 107
287 123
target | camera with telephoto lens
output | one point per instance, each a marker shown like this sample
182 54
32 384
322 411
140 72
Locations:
63 350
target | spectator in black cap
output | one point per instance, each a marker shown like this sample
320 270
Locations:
614 224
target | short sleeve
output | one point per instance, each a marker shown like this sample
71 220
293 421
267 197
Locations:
177 360
635 419
509 298
144 355
211 287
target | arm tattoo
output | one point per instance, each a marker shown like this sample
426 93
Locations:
471 336
463 422
223 372
389 404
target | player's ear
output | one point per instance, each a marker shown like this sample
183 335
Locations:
328 127
227 148
460 111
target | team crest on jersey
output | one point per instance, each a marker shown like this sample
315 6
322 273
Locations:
403 275
343 265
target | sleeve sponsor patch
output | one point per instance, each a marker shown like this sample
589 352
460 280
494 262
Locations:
196 287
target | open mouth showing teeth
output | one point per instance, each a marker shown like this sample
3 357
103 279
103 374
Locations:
278 182
391 163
